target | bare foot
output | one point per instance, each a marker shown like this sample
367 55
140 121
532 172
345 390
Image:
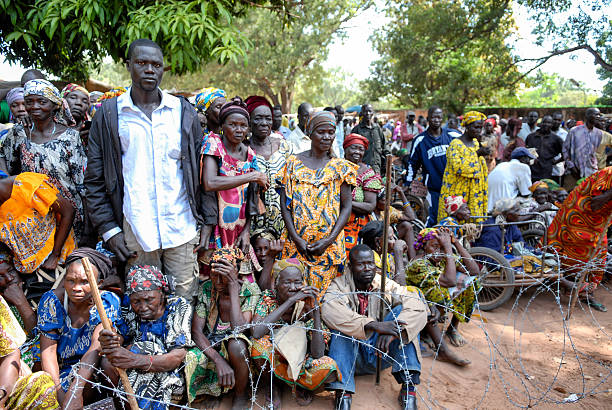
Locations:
273 396
455 338
446 355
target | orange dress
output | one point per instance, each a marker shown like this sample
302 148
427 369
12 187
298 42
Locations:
26 225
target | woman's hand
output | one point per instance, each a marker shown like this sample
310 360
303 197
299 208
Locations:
444 237
261 179
243 242
319 247
276 247
51 262
228 270
309 294
302 247
225 373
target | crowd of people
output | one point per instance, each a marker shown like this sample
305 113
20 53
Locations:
227 243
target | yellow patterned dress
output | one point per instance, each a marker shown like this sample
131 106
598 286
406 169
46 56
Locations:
465 175
31 391
313 198
27 226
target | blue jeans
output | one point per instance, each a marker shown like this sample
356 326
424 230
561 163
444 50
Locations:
433 209
357 357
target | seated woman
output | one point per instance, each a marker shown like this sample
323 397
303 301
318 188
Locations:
372 235
291 303
20 389
36 222
156 329
448 281
69 325
223 311
266 248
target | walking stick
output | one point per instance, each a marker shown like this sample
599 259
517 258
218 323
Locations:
93 284
385 250
574 295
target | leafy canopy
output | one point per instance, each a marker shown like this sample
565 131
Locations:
69 37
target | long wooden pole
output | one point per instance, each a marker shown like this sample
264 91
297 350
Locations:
385 251
106 323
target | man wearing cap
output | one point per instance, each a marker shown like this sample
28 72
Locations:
511 179
409 130
549 147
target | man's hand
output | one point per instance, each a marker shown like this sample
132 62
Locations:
390 328
383 343
117 245
225 373
243 242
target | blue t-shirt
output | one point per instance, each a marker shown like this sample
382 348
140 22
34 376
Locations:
429 153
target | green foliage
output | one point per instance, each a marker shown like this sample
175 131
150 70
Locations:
445 52
67 37
284 54
552 90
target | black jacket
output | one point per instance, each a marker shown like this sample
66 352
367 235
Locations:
104 176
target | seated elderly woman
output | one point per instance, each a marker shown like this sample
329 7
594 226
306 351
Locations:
448 281
295 353
20 389
224 309
156 333
69 325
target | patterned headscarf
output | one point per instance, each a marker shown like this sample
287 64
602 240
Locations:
15 94
234 106
552 185
96 95
69 88
471 117
47 90
207 96
424 236
355 139
281 265
113 93
453 203
318 119
538 185
145 277
232 255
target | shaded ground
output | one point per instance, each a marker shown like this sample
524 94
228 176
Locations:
521 356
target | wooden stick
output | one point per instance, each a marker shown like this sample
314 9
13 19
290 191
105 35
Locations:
385 251
106 323
574 296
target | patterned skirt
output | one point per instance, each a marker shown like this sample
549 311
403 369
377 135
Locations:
352 228
314 373
33 392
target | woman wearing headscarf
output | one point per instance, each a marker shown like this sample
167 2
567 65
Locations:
20 389
291 302
458 214
510 139
369 184
16 103
209 102
466 170
228 166
448 281
76 99
69 324
224 308
271 151
156 333
48 146
315 194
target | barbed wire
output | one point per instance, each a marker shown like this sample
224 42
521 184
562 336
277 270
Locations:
519 386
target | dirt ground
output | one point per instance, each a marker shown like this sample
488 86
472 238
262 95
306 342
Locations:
523 355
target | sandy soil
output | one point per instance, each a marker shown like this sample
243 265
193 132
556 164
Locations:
523 355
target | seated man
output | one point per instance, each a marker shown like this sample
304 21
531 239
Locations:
350 308
156 328
224 308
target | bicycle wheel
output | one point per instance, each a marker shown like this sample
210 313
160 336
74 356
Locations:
496 276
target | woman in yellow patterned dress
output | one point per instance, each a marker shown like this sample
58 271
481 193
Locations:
19 387
315 193
466 169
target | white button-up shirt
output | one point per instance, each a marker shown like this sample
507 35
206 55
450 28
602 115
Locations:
299 140
155 201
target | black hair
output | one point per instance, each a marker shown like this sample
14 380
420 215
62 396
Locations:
370 232
339 108
141 42
330 109
431 110
359 248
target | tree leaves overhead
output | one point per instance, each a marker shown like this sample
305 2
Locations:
444 52
69 37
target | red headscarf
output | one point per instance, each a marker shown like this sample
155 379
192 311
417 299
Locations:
355 139
255 101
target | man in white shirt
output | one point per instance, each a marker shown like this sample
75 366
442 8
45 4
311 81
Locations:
301 141
144 195
531 126
511 179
